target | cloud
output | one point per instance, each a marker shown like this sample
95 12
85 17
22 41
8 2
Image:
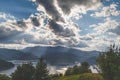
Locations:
115 30
59 29
21 24
53 24
86 37
102 35
6 33
105 26
67 5
58 8
107 11
26 32
50 9
35 21
82 44
5 17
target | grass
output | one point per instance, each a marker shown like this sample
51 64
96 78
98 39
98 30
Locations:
85 76
72 77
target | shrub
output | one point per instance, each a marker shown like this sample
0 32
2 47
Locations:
4 77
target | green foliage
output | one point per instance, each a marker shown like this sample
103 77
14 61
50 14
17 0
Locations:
24 72
5 65
90 76
84 68
109 63
41 72
28 72
4 77
69 71
55 75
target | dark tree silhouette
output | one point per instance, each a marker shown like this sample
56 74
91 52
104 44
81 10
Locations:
41 72
24 72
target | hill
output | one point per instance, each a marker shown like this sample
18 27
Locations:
72 77
11 54
62 55
56 55
5 65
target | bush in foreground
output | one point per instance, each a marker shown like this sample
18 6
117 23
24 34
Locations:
109 63
4 77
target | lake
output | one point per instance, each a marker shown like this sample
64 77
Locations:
17 63
52 69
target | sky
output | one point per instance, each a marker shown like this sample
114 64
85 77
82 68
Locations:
80 24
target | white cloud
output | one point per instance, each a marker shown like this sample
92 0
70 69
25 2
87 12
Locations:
24 32
36 34
6 17
107 11
101 35
107 25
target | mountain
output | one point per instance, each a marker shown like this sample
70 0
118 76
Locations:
61 55
53 55
11 54
37 50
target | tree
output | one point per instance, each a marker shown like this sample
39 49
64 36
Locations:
24 72
53 76
69 71
84 68
109 63
4 77
41 72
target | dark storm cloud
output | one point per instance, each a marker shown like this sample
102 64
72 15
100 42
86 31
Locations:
116 30
50 9
66 5
59 30
21 24
35 21
56 27
6 33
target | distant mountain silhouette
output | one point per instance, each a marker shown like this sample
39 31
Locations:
63 56
11 54
53 55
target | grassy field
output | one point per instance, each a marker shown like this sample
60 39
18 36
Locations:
72 77
86 76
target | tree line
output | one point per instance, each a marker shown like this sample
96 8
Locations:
84 68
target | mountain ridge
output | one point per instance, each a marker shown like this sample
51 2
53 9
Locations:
54 55
63 55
